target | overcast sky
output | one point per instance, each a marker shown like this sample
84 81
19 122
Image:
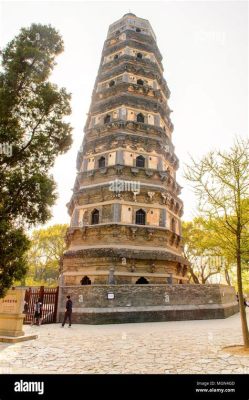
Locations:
205 56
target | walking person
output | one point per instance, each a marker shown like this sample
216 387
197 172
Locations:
25 307
68 312
38 313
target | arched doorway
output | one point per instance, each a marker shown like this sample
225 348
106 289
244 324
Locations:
142 281
140 162
85 281
107 119
140 117
140 217
140 82
95 217
102 162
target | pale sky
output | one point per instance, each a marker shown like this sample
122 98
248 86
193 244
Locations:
205 57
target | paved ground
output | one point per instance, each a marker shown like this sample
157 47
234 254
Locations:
163 347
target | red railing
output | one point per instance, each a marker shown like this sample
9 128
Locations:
49 299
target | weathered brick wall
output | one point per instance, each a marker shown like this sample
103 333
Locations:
147 295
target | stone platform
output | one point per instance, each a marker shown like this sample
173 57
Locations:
17 339
108 304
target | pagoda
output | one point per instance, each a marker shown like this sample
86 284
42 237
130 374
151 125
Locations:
125 208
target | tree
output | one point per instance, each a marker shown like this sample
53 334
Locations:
203 252
33 133
46 249
221 182
13 245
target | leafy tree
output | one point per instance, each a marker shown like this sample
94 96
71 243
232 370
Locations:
33 132
47 247
13 245
202 251
221 182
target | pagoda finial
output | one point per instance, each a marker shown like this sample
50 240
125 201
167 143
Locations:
129 13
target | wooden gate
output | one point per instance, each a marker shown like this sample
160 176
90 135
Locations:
49 299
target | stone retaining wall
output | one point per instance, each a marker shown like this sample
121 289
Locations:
142 303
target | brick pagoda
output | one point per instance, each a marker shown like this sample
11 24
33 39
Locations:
125 210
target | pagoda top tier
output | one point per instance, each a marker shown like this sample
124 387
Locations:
132 22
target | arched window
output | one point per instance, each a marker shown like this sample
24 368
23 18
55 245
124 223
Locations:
173 225
95 217
140 82
140 161
101 162
111 83
138 30
139 55
142 281
140 217
107 119
140 117
85 281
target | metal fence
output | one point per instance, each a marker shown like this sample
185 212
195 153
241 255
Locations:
49 299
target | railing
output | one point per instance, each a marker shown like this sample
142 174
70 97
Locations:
49 299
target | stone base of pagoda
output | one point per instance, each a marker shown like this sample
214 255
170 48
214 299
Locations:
110 304
123 265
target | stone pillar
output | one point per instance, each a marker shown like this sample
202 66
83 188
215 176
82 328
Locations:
156 120
160 164
116 212
163 217
120 159
123 113
75 220
11 317
125 77
60 296
111 279
11 313
84 167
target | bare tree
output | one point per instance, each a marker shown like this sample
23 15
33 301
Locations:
221 182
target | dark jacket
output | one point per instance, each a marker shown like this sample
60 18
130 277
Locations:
69 305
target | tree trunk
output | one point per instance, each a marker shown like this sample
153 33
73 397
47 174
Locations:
241 298
227 277
194 277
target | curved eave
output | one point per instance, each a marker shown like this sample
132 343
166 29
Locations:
128 252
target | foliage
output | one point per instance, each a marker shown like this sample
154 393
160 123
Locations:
47 247
202 251
221 183
33 133
13 245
